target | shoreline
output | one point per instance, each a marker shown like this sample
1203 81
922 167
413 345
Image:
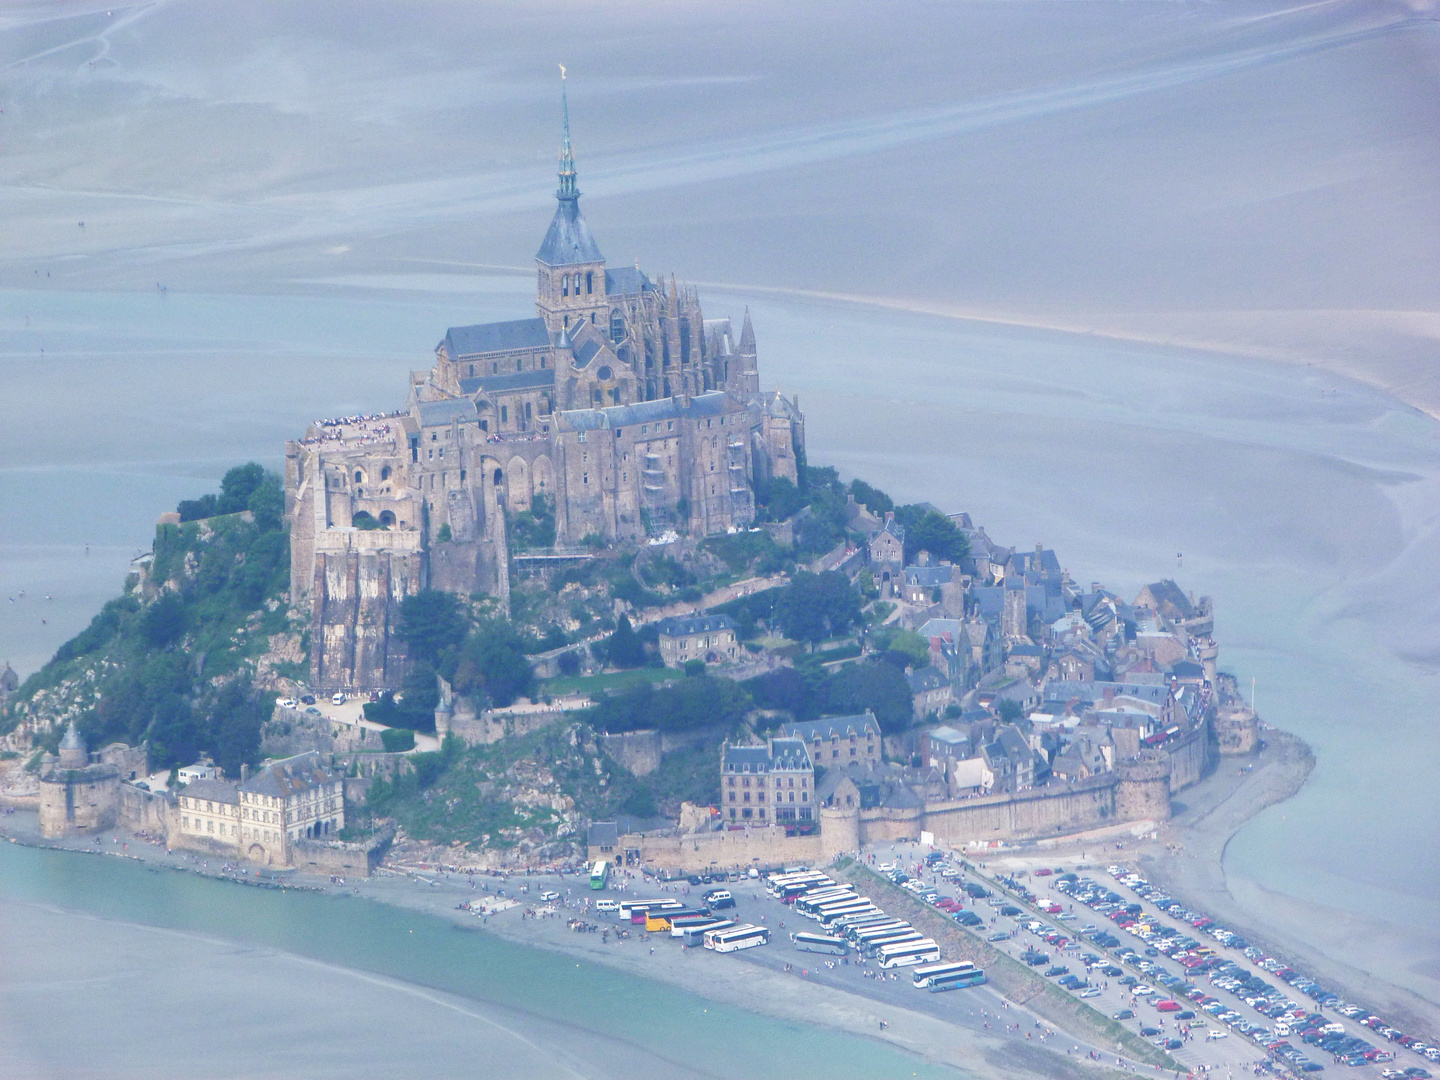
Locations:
1186 856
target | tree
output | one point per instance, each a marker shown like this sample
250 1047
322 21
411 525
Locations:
1009 710
569 663
493 665
877 686
432 622
873 499
164 622
238 485
267 502
397 740
235 720
174 732
623 648
926 530
817 606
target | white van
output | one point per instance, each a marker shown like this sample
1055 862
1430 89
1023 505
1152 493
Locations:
607 905
339 698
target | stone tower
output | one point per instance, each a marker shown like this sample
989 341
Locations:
747 379
73 754
571 270
1142 791
839 831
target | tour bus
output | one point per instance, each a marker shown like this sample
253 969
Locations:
909 953
925 972
861 920
838 920
955 980
694 934
600 874
807 904
854 930
629 907
872 946
880 933
664 918
848 900
745 936
778 884
820 943
831 918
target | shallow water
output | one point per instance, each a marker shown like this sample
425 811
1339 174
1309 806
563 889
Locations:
318 985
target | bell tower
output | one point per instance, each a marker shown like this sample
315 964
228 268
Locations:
570 269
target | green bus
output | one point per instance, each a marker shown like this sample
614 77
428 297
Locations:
600 875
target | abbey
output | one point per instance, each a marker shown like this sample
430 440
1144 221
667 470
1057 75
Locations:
618 403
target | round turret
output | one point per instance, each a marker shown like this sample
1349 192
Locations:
73 752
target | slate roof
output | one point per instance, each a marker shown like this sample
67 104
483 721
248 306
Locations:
941 628
539 379
568 240
1170 599
928 577
462 342
72 739
215 790
602 834
701 406
290 776
683 625
836 727
627 281
925 680
439 413
751 759
1056 690
585 353
948 735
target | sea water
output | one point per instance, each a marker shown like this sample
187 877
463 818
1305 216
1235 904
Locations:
159 973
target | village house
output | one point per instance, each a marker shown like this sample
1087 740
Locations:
839 739
713 639
769 782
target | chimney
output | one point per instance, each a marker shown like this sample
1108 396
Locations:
244 772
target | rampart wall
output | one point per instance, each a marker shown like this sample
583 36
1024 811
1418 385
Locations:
727 850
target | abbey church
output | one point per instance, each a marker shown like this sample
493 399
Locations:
618 403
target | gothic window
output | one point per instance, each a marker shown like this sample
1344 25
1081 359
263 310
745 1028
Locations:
499 478
527 410
504 413
564 284
359 476
617 325
589 283
385 473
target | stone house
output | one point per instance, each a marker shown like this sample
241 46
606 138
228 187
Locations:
887 555
714 639
839 740
930 689
773 782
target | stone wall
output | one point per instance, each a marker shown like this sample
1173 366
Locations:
638 751
145 811
355 602
338 857
1237 731
78 800
765 848
1188 754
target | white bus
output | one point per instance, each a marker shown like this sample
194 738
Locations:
808 903
821 943
745 936
873 946
909 953
830 916
870 933
925 972
854 930
628 907
859 922
788 886
695 935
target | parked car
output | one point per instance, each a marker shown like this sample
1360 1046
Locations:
1123 1014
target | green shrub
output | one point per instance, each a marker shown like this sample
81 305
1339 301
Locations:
398 740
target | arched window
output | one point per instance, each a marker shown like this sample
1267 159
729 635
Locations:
564 284
577 283
617 325
359 476
385 473
589 282
504 413
387 518
499 478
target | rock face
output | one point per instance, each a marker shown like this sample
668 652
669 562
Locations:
355 605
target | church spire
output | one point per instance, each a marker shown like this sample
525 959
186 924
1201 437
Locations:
567 156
